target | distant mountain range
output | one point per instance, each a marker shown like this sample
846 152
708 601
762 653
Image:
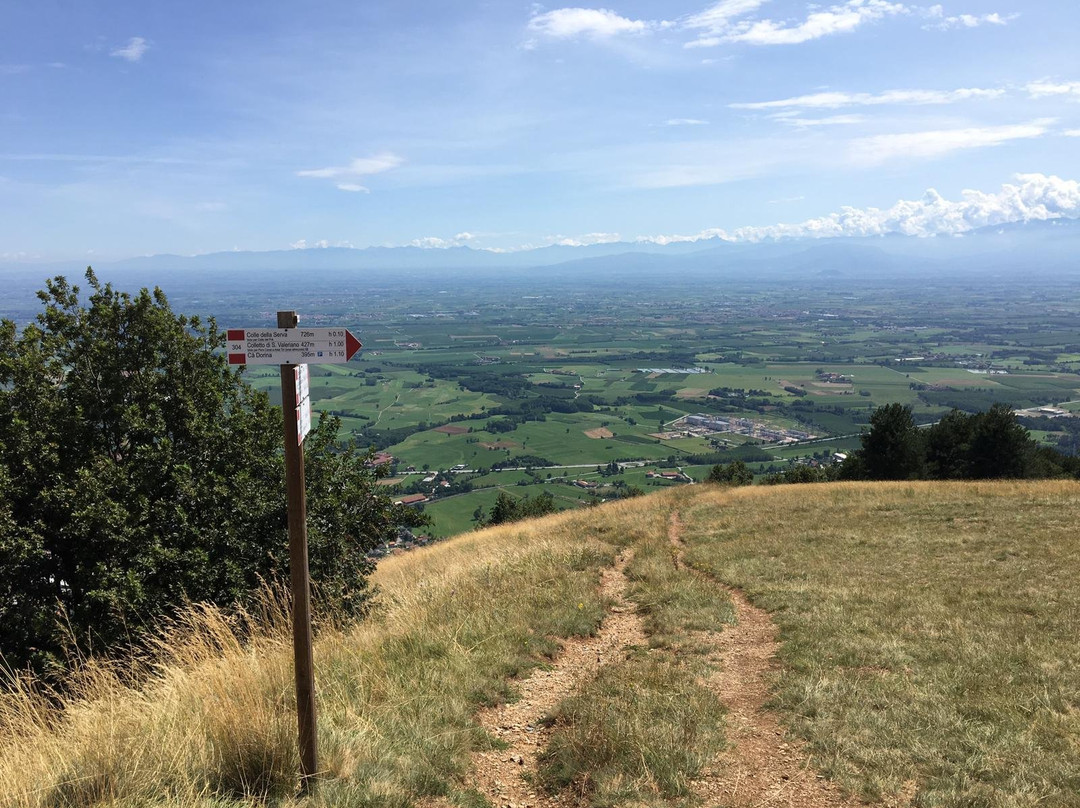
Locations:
1049 245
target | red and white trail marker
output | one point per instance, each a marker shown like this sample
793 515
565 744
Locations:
303 401
290 346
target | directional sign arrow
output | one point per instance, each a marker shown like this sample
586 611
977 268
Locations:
290 346
352 345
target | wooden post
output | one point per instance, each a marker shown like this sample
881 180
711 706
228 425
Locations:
298 571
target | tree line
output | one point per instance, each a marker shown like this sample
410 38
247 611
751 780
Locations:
989 445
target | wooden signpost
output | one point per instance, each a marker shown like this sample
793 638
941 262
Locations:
292 348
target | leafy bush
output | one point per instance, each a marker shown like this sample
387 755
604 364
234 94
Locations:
734 473
138 471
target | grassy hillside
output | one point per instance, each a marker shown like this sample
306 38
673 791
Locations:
928 652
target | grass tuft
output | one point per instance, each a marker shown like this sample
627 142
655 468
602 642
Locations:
674 600
637 734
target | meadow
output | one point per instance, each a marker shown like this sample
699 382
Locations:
927 656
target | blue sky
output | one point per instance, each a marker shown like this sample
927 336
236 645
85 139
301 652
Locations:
129 128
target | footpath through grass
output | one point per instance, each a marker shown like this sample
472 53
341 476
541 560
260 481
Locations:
929 646
215 726
645 727
930 631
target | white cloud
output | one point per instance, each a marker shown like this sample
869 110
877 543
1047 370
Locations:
716 20
881 148
438 243
432 243
717 16
833 20
726 21
684 122
1071 133
133 51
586 239
944 23
1034 197
357 169
1046 89
302 244
836 100
596 23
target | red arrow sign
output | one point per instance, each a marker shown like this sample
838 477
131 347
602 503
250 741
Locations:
352 345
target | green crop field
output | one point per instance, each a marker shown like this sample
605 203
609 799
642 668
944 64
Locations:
513 375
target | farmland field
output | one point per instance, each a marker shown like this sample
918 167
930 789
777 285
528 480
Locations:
518 379
464 371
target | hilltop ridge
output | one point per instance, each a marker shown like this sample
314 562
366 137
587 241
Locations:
926 654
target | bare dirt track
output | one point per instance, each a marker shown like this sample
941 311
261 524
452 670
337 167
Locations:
761 766
504 776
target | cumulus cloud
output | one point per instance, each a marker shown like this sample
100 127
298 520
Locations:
359 168
836 100
942 22
133 51
1051 89
1033 197
882 148
586 239
438 243
596 23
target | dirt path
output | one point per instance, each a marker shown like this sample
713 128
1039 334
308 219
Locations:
762 767
393 403
503 775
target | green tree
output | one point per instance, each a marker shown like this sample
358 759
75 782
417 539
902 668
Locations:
948 447
504 510
540 505
892 449
507 509
1000 447
734 473
139 471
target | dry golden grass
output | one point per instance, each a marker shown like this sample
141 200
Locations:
929 635
213 722
929 630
